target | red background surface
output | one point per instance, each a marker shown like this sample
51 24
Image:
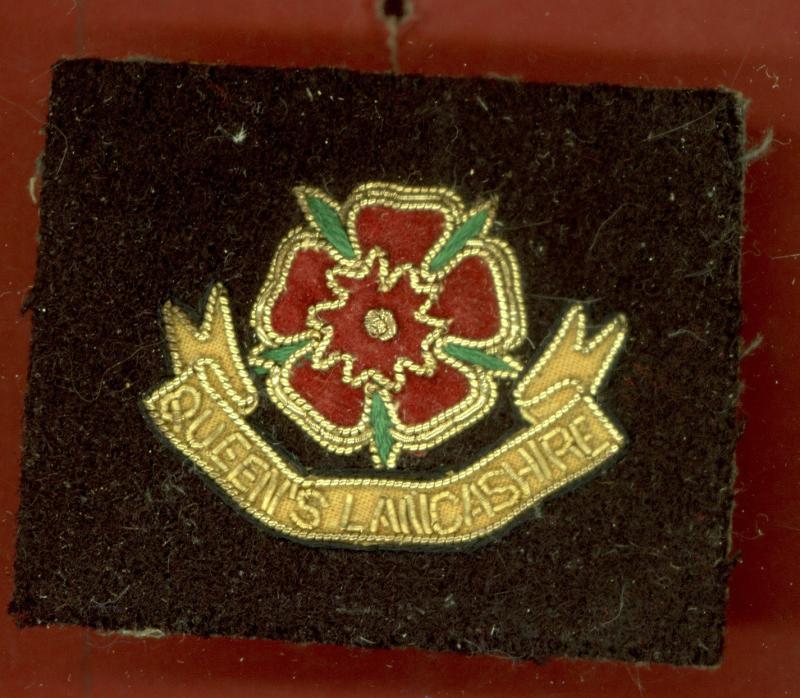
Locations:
751 46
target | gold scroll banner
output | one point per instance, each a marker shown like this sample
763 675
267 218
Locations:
201 412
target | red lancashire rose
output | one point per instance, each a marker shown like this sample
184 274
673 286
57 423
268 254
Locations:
387 320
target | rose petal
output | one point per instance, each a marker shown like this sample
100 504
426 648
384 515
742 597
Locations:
324 390
406 236
423 397
469 299
305 286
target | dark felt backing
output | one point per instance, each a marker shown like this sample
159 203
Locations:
628 199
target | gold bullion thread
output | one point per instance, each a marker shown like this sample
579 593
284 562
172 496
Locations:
202 410
496 254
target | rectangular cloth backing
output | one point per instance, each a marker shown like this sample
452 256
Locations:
160 179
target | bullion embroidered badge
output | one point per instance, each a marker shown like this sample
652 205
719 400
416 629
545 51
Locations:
386 323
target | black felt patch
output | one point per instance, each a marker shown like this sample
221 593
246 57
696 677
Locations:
161 179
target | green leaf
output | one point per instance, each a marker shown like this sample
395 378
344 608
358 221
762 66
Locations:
478 357
260 370
281 354
465 232
327 220
381 427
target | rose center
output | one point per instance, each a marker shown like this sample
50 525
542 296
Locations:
380 324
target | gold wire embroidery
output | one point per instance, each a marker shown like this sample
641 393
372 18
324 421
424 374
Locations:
201 412
324 360
380 324
496 254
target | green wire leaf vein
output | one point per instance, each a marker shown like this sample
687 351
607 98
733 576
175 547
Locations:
281 354
465 232
381 427
478 357
327 219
